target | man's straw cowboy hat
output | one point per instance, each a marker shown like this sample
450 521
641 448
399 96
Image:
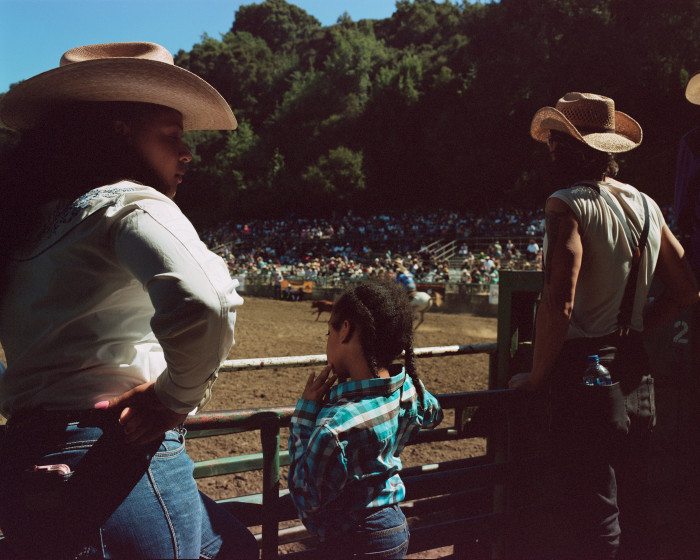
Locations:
590 118
141 72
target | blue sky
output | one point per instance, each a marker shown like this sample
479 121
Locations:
35 33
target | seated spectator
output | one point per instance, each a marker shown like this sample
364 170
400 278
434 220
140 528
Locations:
278 279
498 250
532 249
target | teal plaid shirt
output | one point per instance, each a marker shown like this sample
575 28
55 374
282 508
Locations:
345 454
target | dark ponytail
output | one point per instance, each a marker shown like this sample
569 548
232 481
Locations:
410 363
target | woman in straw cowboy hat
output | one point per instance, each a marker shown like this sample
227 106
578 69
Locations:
114 317
600 233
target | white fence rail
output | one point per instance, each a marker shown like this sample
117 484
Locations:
320 359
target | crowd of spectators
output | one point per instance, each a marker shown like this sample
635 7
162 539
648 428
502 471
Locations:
332 251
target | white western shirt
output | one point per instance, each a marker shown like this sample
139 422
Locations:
118 291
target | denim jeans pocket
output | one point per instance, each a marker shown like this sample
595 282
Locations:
172 445
383 534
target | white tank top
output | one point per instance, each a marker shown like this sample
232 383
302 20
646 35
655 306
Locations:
607 256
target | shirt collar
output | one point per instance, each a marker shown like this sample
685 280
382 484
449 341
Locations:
62 216
379 386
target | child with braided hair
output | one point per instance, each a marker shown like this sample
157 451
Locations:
345 440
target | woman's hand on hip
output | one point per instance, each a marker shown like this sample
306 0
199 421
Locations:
143 417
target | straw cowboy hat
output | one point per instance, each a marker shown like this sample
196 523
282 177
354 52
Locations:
142 72
692 90
590 118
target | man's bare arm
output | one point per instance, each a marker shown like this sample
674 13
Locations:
563 263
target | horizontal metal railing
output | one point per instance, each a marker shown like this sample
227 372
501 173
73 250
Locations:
320 359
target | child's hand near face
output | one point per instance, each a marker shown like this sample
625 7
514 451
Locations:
318 388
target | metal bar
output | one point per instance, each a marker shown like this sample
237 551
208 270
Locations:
222 422
263 363
320 359
228 465
240 463
247 419
270 440
455 350
516 306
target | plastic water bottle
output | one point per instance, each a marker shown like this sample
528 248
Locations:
596 373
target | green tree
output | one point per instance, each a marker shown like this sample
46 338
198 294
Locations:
392 135
280 24
420 23
430 107
241 67
334 181
323 103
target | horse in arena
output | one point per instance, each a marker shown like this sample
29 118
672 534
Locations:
422 302
321 305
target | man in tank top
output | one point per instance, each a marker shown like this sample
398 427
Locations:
601 232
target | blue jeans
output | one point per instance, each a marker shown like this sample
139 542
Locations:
603 466
381 535
163 516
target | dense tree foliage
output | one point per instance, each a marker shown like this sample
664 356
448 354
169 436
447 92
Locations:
431 107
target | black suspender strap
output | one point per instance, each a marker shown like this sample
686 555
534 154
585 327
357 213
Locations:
624 317
625 314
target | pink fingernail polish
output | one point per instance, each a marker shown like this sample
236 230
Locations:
102 404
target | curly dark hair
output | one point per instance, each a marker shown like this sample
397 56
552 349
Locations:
381 311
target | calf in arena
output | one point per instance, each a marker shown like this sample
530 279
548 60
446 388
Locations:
321 305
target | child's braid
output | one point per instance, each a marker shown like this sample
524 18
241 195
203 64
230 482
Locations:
359 315
410 363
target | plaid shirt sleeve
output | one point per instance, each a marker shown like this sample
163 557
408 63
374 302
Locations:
432 411
318 466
